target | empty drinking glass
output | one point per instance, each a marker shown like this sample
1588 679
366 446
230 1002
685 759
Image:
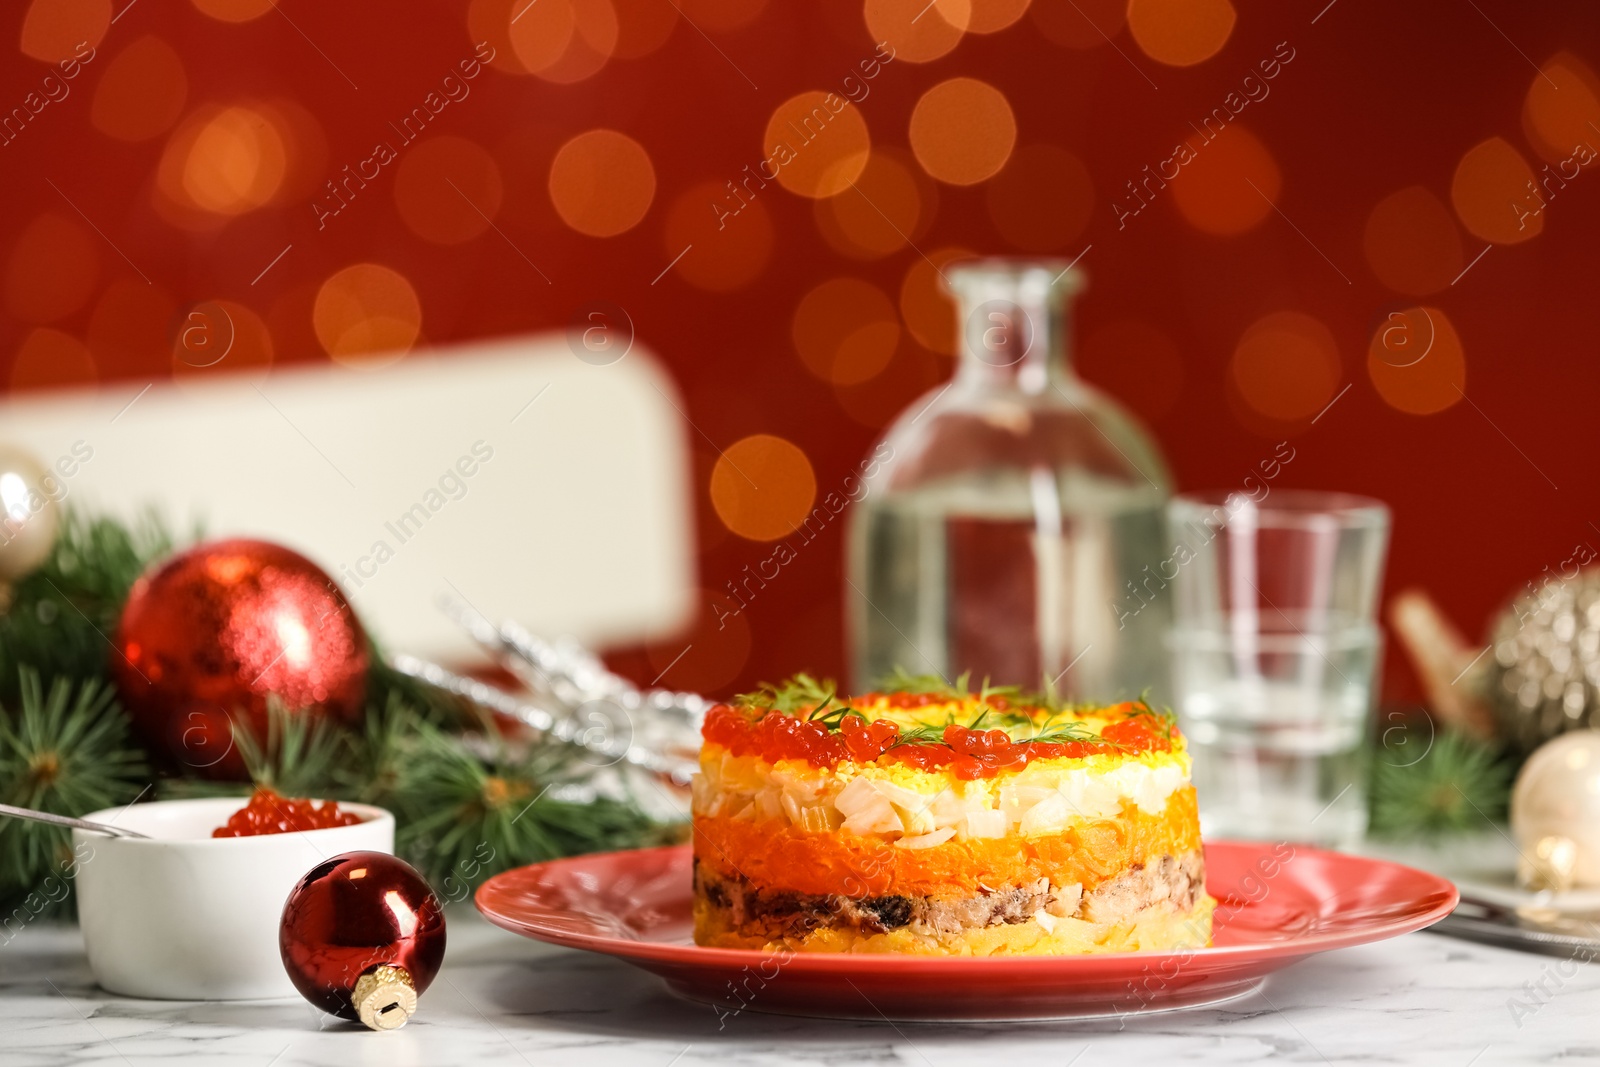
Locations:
1275 649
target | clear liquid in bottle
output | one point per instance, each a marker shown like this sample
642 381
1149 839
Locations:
1016 527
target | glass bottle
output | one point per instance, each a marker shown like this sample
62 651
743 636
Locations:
1015 524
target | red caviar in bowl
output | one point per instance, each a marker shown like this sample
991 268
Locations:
269 813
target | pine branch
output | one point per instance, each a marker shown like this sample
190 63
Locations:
1459 785
66 752
63 616
380 753
466 815
301 756
388 687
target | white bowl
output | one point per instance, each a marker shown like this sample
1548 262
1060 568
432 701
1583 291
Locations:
187 916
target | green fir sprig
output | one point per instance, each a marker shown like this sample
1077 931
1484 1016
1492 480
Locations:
62 616
1459 785
65 751
466 814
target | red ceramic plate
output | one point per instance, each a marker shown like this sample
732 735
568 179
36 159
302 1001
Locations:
1276 904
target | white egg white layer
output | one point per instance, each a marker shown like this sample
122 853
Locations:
920 809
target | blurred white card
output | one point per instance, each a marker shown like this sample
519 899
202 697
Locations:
531 484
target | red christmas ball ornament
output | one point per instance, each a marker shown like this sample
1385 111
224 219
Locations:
362 937
212 632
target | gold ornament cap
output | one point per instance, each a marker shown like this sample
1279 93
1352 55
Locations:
385 997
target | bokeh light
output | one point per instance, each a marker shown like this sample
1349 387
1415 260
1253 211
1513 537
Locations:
1230 185
52 269
142 92
58 30
817 143
1416 361
1181 33
721 16
236 163
1082 23
535 40
845 330
992 16
366 315
593 41
602 183
762 487
223 161
1492 194
1286 366
729 240
1562 108
1136 363
927 309
919 31
643 26
1411 242
447 189
50 359
539 33
1041 201
890 205
962 131
235 10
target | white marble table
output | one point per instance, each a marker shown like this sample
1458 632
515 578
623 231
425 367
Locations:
501 1000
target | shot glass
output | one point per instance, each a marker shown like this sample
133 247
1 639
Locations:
1275 650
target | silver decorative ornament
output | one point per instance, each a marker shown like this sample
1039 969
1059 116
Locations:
30 513
1544 678
616 728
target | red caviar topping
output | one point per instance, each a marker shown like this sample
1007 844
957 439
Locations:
1141 733
269 813
972 754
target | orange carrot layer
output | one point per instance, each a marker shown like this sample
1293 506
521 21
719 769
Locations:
772 854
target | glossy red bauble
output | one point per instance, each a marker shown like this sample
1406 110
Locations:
211 633
361 915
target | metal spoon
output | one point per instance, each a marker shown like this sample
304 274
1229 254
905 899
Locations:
63 820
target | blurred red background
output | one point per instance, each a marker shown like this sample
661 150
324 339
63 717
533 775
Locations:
1373 160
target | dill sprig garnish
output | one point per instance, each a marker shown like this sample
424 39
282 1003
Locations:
926 734
832 718
797 694
902 681
1027 717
